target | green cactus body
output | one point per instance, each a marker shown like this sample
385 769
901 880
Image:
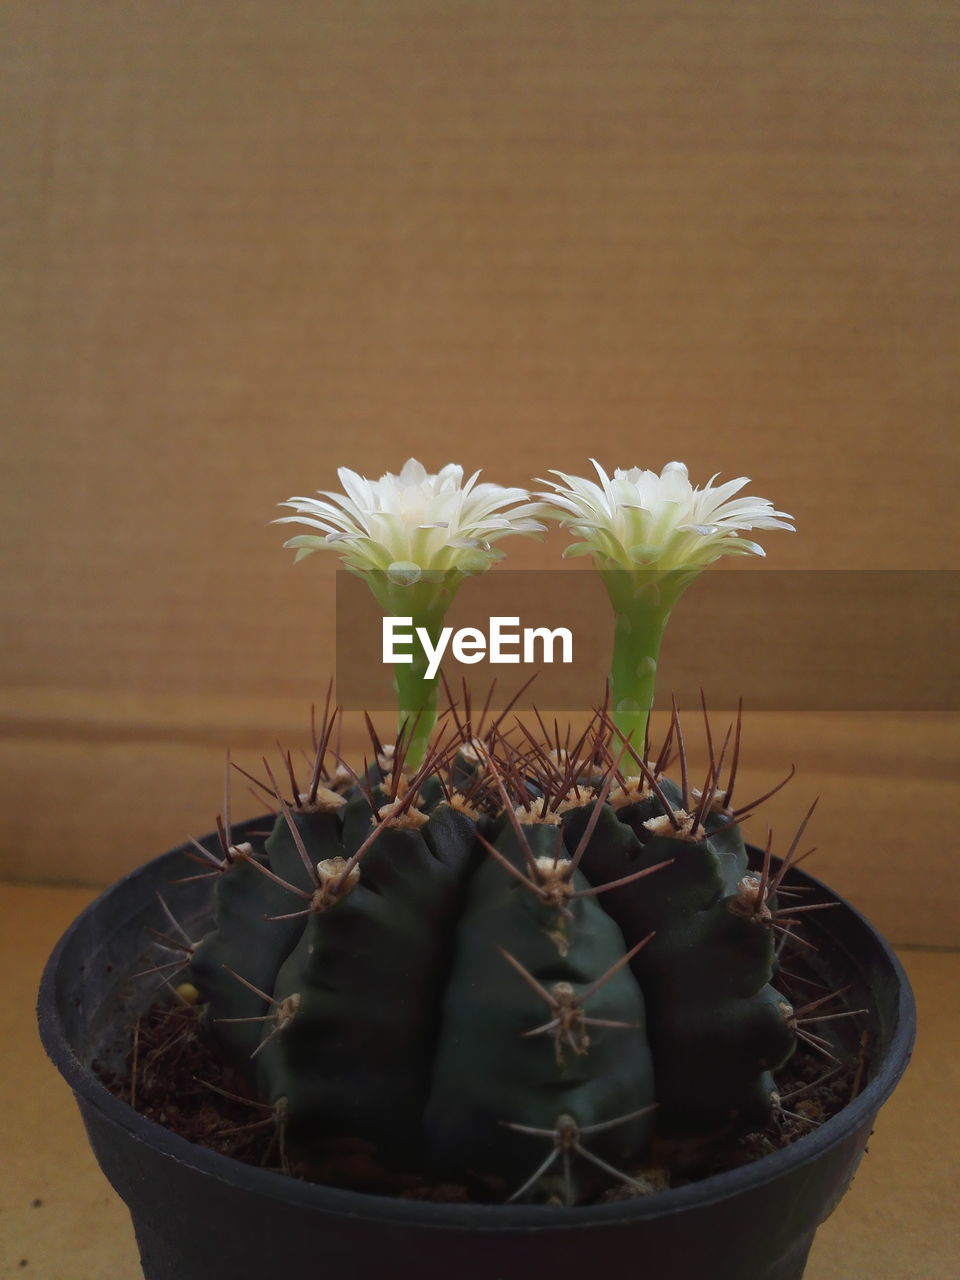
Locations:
717 1027
319 831
347 1042
475 1012
726 840
245 943
363 988
491 1072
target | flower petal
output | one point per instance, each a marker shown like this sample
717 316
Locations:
432 522
659 521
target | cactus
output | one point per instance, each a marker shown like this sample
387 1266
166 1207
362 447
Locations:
521 967
515 969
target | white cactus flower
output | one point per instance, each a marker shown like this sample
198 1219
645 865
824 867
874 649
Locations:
641 520
414 523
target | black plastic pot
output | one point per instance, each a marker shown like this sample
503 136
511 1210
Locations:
199 1215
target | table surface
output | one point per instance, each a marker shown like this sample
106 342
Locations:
60 1220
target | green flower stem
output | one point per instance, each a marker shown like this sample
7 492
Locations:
417 697
425 601
642 601
633 670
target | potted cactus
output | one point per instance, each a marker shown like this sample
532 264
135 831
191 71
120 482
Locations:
539 984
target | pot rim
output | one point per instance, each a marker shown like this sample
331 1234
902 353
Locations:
384 1209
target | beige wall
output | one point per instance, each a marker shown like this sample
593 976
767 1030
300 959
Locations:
249 242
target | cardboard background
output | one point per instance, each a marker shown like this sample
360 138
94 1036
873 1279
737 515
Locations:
245 243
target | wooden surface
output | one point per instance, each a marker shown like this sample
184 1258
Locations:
897 1222
245 243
